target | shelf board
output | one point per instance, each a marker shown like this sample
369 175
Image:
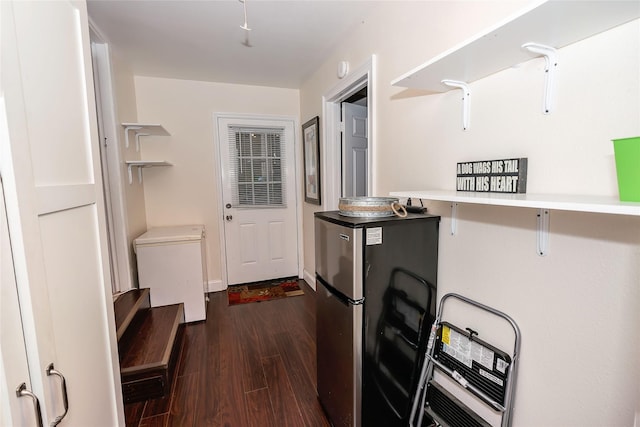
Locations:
149 129
147 163
140 164
552 23
594 204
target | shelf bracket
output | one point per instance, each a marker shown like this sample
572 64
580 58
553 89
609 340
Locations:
550 64
126 134
543 231
454 218
138 135
135 129
466 103
131 174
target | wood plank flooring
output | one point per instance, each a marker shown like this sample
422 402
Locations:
247 365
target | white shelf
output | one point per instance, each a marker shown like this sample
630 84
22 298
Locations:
552 23
140 164
543 202
147 163
595 204
141 129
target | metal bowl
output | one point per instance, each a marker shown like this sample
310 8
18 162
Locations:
367 207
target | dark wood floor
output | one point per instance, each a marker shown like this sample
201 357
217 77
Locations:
247 365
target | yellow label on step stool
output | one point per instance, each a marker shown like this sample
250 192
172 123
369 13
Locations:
446 335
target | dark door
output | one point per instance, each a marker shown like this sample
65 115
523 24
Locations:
339 339
400 294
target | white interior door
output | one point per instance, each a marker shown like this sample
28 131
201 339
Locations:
51 172
354 150
257 161
14 371
104 167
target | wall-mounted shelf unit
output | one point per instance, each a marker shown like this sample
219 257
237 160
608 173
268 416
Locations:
140 164
561 202
552 23
545 203
140 129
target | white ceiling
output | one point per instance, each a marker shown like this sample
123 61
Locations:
202 40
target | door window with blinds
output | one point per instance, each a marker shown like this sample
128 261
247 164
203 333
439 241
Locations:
257 164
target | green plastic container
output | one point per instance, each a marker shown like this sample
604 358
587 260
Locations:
627 153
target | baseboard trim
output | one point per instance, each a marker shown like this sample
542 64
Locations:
215 286
310 279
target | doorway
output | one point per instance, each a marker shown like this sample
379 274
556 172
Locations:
357 177
259 208
355 145
110 157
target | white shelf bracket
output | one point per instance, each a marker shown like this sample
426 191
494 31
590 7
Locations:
131 173
550 65
126 134
454 218
138 135
466 102
543 231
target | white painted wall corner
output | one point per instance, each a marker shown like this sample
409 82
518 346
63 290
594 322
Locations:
310 279
215 286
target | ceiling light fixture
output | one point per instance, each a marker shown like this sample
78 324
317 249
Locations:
246 25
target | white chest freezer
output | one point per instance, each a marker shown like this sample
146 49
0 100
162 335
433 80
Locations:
172 264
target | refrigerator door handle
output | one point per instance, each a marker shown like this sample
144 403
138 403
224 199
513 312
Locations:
336 293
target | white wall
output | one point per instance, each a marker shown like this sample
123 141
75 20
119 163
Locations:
125 104
402 34
187 193
579 307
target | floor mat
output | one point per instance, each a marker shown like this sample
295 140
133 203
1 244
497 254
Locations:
263 291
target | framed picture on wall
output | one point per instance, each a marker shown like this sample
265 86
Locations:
311 148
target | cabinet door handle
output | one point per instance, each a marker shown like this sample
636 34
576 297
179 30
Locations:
22 391
65 401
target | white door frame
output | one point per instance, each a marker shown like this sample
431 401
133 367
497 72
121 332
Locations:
218 165
331 167
118 226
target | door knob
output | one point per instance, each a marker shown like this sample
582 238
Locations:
229 217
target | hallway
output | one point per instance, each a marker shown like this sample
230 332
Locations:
246 365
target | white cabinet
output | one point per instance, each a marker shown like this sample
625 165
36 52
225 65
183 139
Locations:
172 264
50 169
14 371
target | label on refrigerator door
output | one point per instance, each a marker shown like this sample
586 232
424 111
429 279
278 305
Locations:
374 236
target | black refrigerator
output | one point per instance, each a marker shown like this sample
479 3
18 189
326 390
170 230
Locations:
376 298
